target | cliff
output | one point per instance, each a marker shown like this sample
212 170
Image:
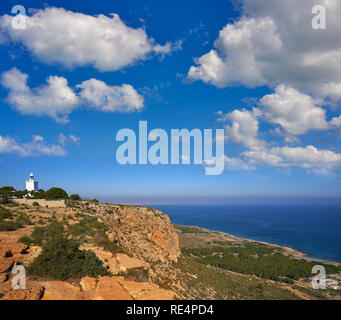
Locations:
128 241
145 233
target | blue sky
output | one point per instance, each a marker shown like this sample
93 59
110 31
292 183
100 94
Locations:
243 71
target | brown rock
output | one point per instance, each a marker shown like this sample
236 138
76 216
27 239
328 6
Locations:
5 264
128 262
32 253
120 280
147 291
59 290
144 233
3 277
88 286
33 291
108 288
88 283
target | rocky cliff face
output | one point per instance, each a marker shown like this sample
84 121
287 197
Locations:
143 232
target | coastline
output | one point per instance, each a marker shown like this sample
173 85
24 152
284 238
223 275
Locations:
286 250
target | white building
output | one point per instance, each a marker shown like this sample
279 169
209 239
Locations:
32 185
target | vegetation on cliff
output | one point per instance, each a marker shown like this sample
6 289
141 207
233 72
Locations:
256 259
62 259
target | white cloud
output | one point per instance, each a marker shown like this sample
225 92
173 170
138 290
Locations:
235 59
331 90
37 147
319 161
243 129
231 164
74 139
55 99
63 139
274 42
336 122
97 94
168 48
296 112
56 35
237 164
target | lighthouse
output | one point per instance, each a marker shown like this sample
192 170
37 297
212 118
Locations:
31 184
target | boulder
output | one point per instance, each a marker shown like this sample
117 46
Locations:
128 262
108 288
88 283
59 290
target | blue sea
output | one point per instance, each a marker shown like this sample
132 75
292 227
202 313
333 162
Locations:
312 229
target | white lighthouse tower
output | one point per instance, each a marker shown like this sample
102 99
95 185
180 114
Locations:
31 184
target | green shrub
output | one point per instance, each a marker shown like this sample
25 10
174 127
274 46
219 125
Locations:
26 240
75 197
61 259
36 204
56 194
87 226
23 219
289 281
41 234
38 235
102 240
5 214
9 226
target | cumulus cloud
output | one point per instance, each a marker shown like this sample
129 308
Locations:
295 112
57 100
56 35
319 161
37 147
336 122
274 42
243 128
236 53
97 94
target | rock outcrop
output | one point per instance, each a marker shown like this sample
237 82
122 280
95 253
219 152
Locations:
145 233
145 236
